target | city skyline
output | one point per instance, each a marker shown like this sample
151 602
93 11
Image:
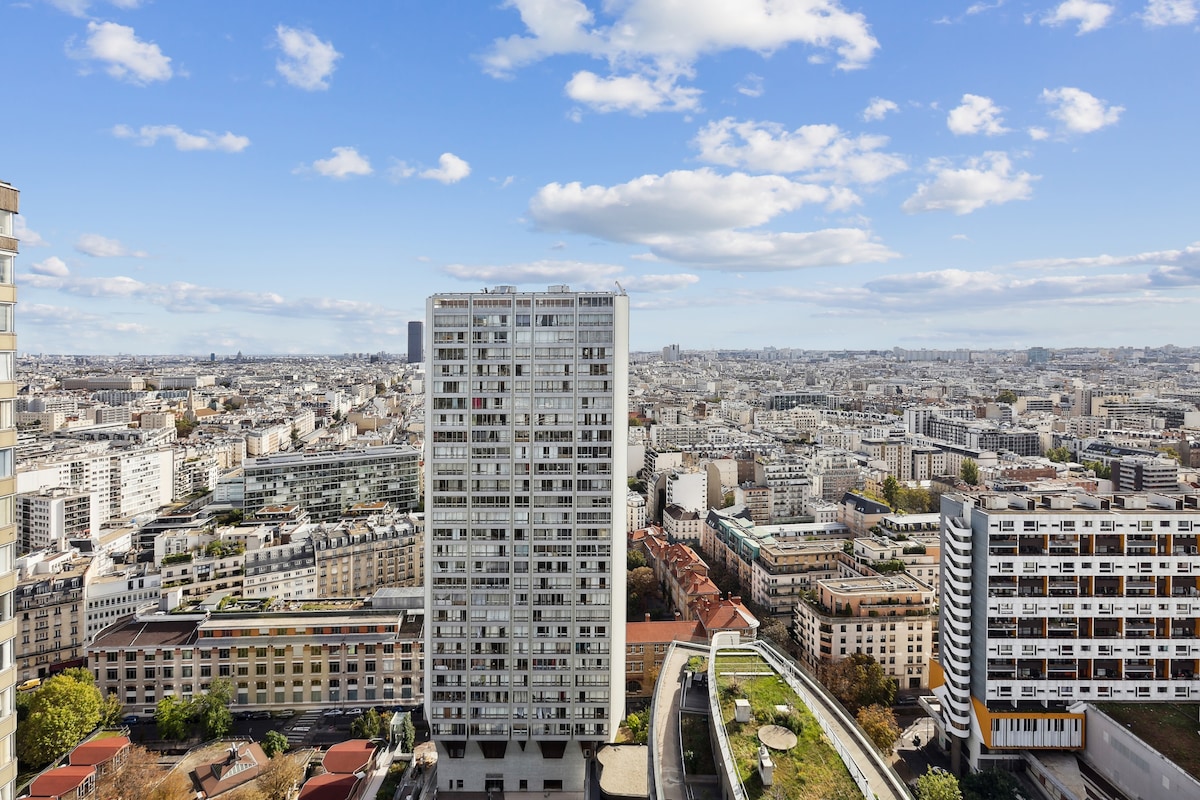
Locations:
986 175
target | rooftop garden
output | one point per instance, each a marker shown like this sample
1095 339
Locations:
1167 727
811 770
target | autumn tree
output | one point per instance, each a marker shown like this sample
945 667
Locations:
60 714
775 631
280 775
969 471
857 680
879 723
634 559
140 771
937 784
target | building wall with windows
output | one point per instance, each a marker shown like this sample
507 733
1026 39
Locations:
527 420
1049 600
348 656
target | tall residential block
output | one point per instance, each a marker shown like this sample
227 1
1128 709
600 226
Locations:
8 527
1050 600
527 417
416 342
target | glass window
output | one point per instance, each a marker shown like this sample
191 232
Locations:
6 267
6 223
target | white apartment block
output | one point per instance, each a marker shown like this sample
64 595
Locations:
127 482
688 489
111 598
1049 600
50 517
527 416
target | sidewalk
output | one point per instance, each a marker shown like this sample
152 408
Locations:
376 778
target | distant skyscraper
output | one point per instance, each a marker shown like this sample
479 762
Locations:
527 417
9 198
416 342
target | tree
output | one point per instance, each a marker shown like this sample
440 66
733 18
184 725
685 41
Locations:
775 631
891 488
110 711
913 500
408 734
61 712
279 777
1007 396
879 723
174 718
212 709
643 590
274 743
638 726
937 784
634 559
989 785
857 680
1059 455
184 428
366 726
141 770
1102 471
969 471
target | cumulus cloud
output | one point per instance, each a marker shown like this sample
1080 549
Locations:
983 181
50 266
578 273
878 108
184 297
1160 13
450 169
636 94
1188 258
307 62
976 114
651 45
1079 111
27 236
79 8
822 152
126 57
97 246
1090 14
344 163
148 135
1038 134
699 217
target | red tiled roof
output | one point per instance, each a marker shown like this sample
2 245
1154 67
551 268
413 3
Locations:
662 632
60 781
725 615
328 787
346 758
97 751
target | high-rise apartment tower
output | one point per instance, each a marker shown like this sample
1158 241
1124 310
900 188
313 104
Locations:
416 342
8 528
526 405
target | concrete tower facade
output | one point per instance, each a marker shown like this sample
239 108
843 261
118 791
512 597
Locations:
8 486
527 404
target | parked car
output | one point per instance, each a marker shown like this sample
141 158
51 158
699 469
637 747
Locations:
264 714
130 719
354 712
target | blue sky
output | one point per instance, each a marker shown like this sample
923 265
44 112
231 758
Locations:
278 177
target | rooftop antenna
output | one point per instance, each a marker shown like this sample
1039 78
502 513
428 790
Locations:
619 286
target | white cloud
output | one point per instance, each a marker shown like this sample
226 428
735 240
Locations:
980 7
345 162
976 114
636 94
307 62
536 272
658 283
51 266
1160 13
878 108
79 8
697 216
97 246
147 135
399 170
659 42
1187 258
27 237
822 152
127 57
1038 134
751 85
986 180
1090 14
1078 111
450 169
